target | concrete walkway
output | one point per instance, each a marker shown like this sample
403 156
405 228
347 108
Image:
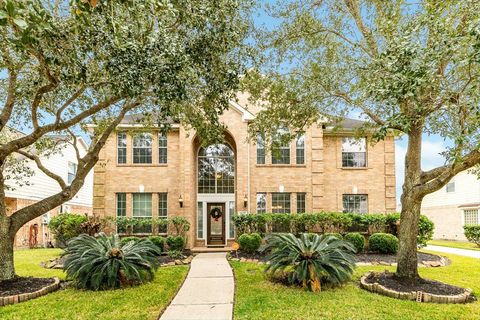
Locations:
460 252
207 292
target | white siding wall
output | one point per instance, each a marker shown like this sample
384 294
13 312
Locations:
467 190
42 186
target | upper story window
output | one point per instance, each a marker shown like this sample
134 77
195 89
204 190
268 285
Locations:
261 202
451 186
72 172
300 150
355 203
281 202
162 148
281 152
216 169
142 148
354 152
121 147
260 149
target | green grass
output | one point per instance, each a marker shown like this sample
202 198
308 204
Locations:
257 298
141 302
455 244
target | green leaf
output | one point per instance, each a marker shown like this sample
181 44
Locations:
3 14
21 23
10 9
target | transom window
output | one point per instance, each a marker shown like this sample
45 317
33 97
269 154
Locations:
471 217
300 150
281 202
162 148
216 169
261 202
354 152
355 203
121 147
142 148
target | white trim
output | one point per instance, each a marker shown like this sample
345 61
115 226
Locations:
246 115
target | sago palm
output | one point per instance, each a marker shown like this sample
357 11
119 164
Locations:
310 259
103 263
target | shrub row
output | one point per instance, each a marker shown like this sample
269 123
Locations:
472 233
174 243
327 222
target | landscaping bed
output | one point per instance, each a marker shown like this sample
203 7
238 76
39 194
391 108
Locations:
20 285
421 290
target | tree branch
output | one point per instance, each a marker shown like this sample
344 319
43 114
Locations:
354 9
40 166
11 97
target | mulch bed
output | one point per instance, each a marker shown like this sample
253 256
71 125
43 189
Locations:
21 285
390 281
379 258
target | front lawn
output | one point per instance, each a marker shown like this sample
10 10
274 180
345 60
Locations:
257 298
142 302
455 244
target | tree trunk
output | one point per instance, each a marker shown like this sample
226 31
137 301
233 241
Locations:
7 269
411 201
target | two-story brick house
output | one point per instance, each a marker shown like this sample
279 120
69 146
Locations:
143 173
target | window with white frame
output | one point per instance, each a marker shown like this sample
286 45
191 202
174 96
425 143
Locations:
281 149
301 202
354 152
72 172
162 210
300 150
281 202
142 148
261 202
355 203
450 186
142 209
162 148
471 217
199 220
121 209
260 149
121 147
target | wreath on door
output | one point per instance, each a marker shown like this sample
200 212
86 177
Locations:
216 213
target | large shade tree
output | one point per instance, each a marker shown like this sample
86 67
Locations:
409 67
64 64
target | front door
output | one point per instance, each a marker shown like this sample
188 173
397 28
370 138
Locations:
216 224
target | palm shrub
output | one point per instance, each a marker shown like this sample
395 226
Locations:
310 259
103 263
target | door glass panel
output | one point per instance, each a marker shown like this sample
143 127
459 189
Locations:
216 222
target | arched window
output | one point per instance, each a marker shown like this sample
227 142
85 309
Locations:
216 169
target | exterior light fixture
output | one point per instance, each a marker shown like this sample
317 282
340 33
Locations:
141 188
180 201
245 201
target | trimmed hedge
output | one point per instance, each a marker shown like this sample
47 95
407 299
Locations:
334 234
327 222
250 242
125 240
472 233
357 240
383 243
176 243
158 241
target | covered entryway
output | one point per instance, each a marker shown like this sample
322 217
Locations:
215 193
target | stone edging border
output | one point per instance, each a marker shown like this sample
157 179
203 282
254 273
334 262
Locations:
418 296
4 301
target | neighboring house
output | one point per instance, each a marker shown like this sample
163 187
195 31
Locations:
454 206
142 173
41 186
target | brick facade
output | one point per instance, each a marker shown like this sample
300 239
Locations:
321 177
